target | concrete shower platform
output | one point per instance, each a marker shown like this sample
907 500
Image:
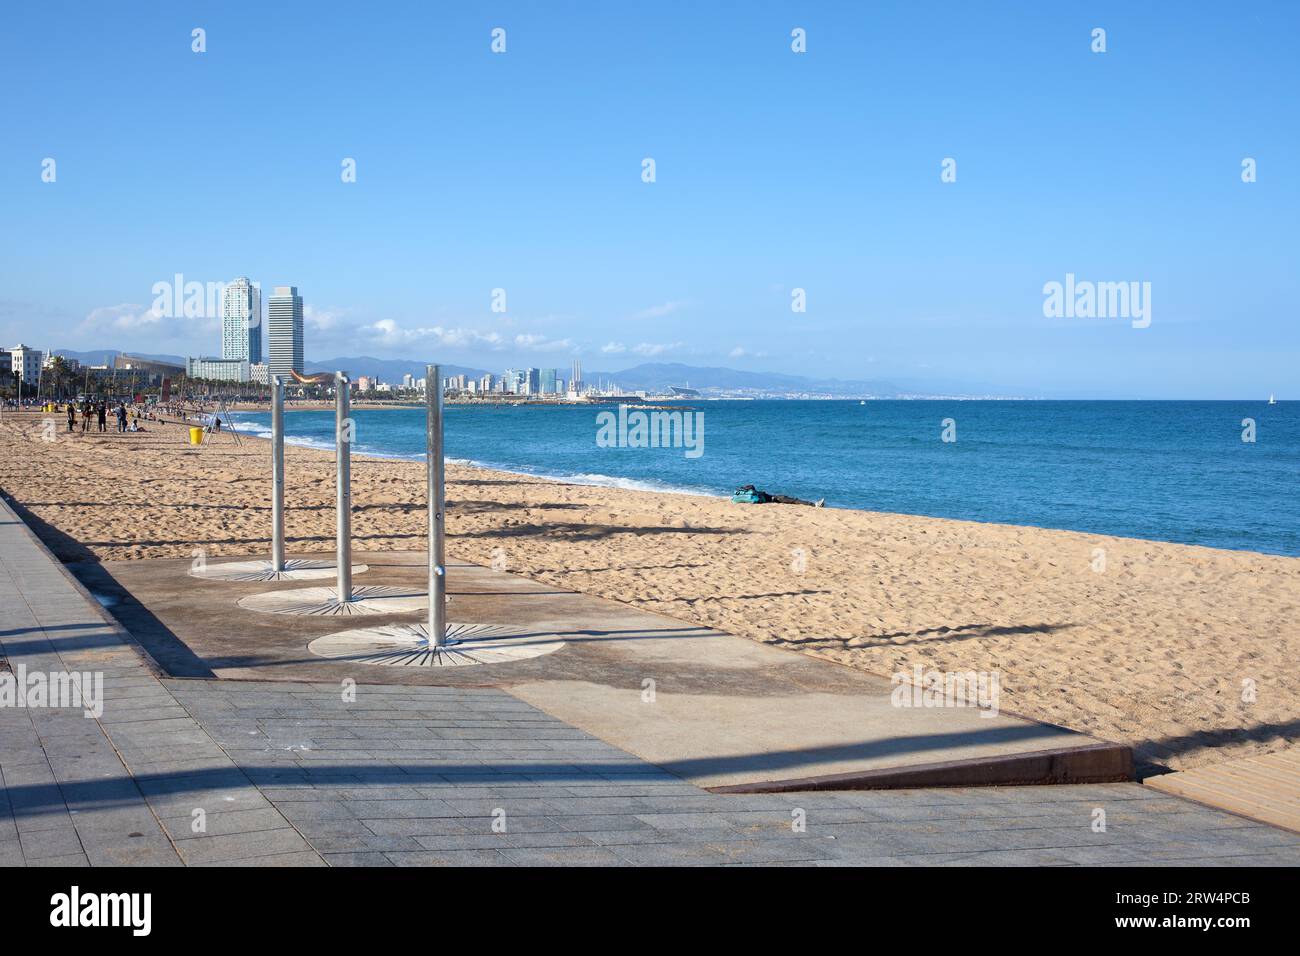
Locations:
726 713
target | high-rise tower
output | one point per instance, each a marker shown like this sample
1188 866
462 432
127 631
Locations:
284 331
241 321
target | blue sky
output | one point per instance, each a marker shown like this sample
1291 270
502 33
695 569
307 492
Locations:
775 170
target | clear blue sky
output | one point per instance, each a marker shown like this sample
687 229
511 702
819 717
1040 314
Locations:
775 170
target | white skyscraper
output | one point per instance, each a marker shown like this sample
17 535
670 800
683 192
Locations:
241 321
284 331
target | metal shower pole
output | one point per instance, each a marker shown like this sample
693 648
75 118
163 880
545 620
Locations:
343 479
277 474
436 502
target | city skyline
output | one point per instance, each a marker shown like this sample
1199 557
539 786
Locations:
512 223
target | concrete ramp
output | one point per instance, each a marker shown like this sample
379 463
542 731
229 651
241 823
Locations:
821 741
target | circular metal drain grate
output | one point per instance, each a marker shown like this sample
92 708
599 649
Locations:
372 599
407 645
295 569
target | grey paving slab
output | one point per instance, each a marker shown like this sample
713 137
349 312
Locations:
300 858
569 807
366 858
242 847
71 790
450 858
563 856
72 859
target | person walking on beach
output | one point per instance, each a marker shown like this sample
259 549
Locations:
121 417
85 416
102 415
72 415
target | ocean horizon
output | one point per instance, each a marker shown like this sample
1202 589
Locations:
1176 471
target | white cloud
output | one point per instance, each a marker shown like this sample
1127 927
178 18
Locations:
320 320
389 332
123 318
540 343
613 348
741 352
130 322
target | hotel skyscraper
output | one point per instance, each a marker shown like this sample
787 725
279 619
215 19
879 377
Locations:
241 321
284 331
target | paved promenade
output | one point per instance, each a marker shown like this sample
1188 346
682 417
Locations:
725 712
204 772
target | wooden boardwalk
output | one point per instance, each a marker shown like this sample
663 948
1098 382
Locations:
1263 788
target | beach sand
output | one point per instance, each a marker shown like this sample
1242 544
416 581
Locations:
1157 649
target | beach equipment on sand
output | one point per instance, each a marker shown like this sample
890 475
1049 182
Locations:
435 643
222 415
342 599
343 487
343 431
196 436
435 495
278 568
277 473
749 495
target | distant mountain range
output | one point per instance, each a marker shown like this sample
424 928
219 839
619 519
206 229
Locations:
650 377
386 370
657 376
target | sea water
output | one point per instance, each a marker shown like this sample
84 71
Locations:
1171 471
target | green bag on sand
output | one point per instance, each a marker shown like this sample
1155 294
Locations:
747 495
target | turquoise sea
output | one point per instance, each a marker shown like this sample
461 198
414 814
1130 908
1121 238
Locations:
1172 471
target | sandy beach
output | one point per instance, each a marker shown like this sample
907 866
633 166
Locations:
1162 647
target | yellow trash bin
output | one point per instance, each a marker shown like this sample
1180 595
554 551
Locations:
196 436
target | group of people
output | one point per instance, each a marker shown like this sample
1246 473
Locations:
98 411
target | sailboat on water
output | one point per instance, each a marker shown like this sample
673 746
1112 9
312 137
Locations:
1271 399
